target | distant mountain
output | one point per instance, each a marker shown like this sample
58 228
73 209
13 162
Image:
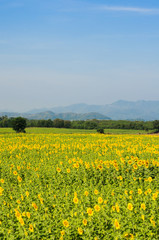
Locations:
10 114
120 110
51 115
65 116
145 110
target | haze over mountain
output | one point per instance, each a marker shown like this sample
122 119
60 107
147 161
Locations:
120 110
51 115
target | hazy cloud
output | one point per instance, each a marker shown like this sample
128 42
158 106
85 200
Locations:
128 9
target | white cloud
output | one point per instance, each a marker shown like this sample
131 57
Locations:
128 9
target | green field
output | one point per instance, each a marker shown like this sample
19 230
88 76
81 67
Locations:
69 131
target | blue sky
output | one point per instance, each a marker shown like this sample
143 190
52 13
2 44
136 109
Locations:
61 52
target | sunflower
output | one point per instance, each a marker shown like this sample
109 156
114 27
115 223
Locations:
75 200
97 208
130 206
65 223
84 222
90 211
31 229
116 224
80 231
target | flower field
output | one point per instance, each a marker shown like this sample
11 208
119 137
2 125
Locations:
79 186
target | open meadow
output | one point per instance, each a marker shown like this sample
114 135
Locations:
78 185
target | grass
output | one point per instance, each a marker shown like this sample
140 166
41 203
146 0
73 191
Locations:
71 131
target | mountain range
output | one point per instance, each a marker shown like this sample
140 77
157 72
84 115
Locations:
120 110
51 115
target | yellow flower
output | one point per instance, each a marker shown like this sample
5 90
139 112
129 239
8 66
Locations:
19 178
2 180
154 196
130 206
1 191
139 163
65 223
18 167
145 192
21 221
86 193
149 190
62 232
90 211
97 208
113 208
28 214
117 208
131 236
150 179
35 206
100 200
23 214
152 221
17 214
143 206
75 200
80 231
96 192
139 191
27 193
84 222
58 169
120 178
135 166
75 194
143 217
68 170
15 173
116 224
31 229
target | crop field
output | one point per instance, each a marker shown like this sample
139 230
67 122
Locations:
79 186
69 131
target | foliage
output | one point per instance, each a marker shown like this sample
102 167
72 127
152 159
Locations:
79 186
100 130
58 123
87 124
19 124
156 125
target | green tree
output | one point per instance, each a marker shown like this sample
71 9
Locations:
90 124
67 124
58 123
156 125
49 123
100 130
19 124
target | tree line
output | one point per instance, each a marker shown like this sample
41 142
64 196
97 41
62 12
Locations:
87 124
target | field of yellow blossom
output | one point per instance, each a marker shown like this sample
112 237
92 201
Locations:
79 186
